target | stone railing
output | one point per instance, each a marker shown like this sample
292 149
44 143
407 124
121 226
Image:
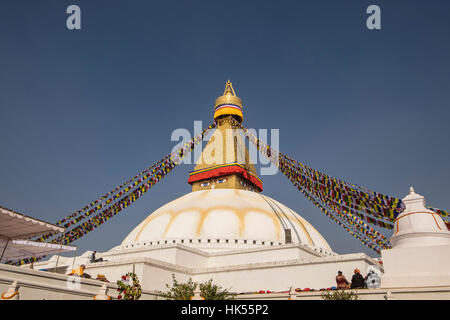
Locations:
430 293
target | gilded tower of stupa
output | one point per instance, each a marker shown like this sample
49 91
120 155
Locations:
225 161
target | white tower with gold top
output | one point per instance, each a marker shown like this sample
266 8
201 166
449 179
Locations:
420 254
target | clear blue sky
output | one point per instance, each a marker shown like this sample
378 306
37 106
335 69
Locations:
81 111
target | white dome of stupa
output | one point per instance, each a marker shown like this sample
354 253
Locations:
223 219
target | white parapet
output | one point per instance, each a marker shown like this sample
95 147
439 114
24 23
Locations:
420 254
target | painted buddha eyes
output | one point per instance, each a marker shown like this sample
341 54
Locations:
249 187
208 183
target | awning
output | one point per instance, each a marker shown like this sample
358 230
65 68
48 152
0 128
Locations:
21 249
14 225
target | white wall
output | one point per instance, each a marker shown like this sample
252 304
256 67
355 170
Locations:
260 255
416 266
275 276
42 285
274 268
279 277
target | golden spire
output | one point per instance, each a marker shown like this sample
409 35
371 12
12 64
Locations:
229 89
228 104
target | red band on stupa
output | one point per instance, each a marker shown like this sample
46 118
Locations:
224 170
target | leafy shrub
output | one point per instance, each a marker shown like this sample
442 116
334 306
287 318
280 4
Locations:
339 295
184 291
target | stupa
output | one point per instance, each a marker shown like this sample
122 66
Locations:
420 246
225 229
226 209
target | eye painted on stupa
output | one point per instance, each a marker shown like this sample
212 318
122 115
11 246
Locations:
243 183
221 180
204 184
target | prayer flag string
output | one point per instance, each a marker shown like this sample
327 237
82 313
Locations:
351 206
116 205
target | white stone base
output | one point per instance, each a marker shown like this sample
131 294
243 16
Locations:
274 268
408 267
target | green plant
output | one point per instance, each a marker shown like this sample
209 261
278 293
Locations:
212 291
130 291
339 295
184 291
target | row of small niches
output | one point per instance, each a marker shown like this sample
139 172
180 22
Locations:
220 241
203 241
